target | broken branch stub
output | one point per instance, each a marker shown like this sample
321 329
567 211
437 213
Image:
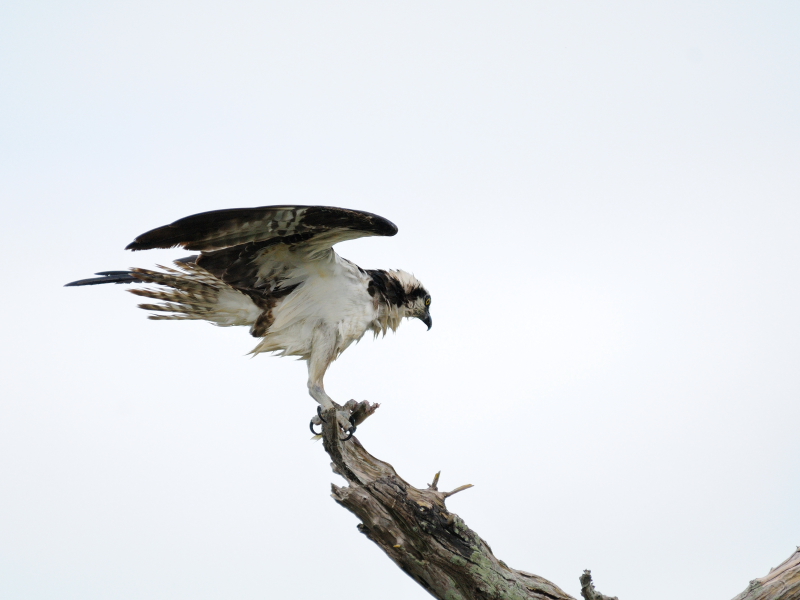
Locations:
587 588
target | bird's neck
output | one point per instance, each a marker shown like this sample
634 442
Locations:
388 317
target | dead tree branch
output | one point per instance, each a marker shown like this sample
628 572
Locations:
437 549
781 583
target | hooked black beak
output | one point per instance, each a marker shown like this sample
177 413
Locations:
427 320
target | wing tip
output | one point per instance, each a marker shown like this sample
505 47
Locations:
161 237
349 218
137 245
384 226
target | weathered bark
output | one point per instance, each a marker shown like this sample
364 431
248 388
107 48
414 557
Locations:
587 588
436 548
781 583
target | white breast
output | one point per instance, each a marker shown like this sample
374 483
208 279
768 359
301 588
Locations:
333 295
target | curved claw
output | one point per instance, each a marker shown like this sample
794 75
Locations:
350 433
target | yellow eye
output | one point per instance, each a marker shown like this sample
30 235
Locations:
427 301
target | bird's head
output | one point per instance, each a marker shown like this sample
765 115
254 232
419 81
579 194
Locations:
416 299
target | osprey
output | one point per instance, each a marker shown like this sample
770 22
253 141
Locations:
273 269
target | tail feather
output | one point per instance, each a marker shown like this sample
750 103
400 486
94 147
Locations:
181 313
123 276
193 293
106 277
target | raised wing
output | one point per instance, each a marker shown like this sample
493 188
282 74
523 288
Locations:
318 226
258 250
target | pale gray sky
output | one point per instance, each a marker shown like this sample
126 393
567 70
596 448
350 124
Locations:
603 199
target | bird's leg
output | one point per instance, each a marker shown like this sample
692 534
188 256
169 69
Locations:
322 355
343 417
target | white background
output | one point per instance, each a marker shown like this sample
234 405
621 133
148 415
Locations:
603 199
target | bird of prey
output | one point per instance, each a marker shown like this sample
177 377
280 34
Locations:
273 269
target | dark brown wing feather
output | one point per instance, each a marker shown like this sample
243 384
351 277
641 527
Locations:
239 266
220 229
